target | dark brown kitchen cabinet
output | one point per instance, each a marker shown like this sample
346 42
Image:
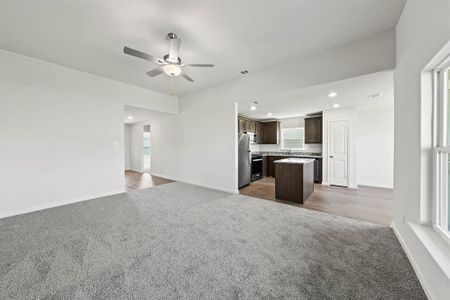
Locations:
265 132
246 125
251 126
318 170
259 132
270 132
313 130
270 167
241 125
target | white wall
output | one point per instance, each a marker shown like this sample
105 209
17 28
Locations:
62 133
421 32
370 141
288 123
199 144
137 147
127 133
375 146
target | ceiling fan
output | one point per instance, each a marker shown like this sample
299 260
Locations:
170 63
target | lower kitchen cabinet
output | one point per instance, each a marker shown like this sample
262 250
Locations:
318 170
270 167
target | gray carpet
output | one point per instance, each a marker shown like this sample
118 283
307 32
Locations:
178 241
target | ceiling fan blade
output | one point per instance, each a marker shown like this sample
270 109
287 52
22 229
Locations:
139 54
155 72
174 50
187 77
199 65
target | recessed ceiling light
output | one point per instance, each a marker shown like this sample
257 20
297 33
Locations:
269 114
336 105
130 118
253 105
332 94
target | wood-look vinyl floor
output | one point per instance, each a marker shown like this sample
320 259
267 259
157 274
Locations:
136 180
367 204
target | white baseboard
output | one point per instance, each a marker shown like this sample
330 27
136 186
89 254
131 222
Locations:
54 204
197 183
413 262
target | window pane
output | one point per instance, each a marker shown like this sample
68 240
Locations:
444 197
292 138
447 87
446 202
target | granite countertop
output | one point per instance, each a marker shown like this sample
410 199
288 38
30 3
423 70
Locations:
293 154
293 160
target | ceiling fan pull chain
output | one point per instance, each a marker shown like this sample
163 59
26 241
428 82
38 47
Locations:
172 86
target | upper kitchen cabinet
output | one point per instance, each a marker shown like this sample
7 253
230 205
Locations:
270 132
313 130
265 132
246 125
251 126
259 133
242 125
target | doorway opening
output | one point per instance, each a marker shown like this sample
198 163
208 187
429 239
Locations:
146 149
138 148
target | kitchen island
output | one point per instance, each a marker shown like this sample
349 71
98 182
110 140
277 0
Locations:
294 180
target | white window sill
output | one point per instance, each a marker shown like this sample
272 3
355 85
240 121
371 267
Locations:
435 244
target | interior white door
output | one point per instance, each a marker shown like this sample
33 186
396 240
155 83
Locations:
338 153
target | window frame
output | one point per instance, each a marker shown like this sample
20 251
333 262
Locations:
290 128
441 149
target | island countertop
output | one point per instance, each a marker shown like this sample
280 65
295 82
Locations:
294 160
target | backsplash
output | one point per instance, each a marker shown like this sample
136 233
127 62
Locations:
287 153
309 148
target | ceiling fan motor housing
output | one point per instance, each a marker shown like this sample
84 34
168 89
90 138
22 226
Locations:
166 60
172 36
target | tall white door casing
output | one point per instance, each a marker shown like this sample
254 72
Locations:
338 152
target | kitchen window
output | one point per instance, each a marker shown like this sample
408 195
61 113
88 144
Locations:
441 211
293 138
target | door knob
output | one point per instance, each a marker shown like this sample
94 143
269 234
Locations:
331 156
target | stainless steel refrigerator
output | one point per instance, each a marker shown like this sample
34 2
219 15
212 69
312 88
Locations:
244 160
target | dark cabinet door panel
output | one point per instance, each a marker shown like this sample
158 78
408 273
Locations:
270 132
313 130
241 125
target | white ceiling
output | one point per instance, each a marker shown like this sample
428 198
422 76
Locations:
141 114
354 92
234 34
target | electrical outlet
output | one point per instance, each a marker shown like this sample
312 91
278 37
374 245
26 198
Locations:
81 186
54 190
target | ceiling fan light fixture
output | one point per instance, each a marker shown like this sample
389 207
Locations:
172 70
